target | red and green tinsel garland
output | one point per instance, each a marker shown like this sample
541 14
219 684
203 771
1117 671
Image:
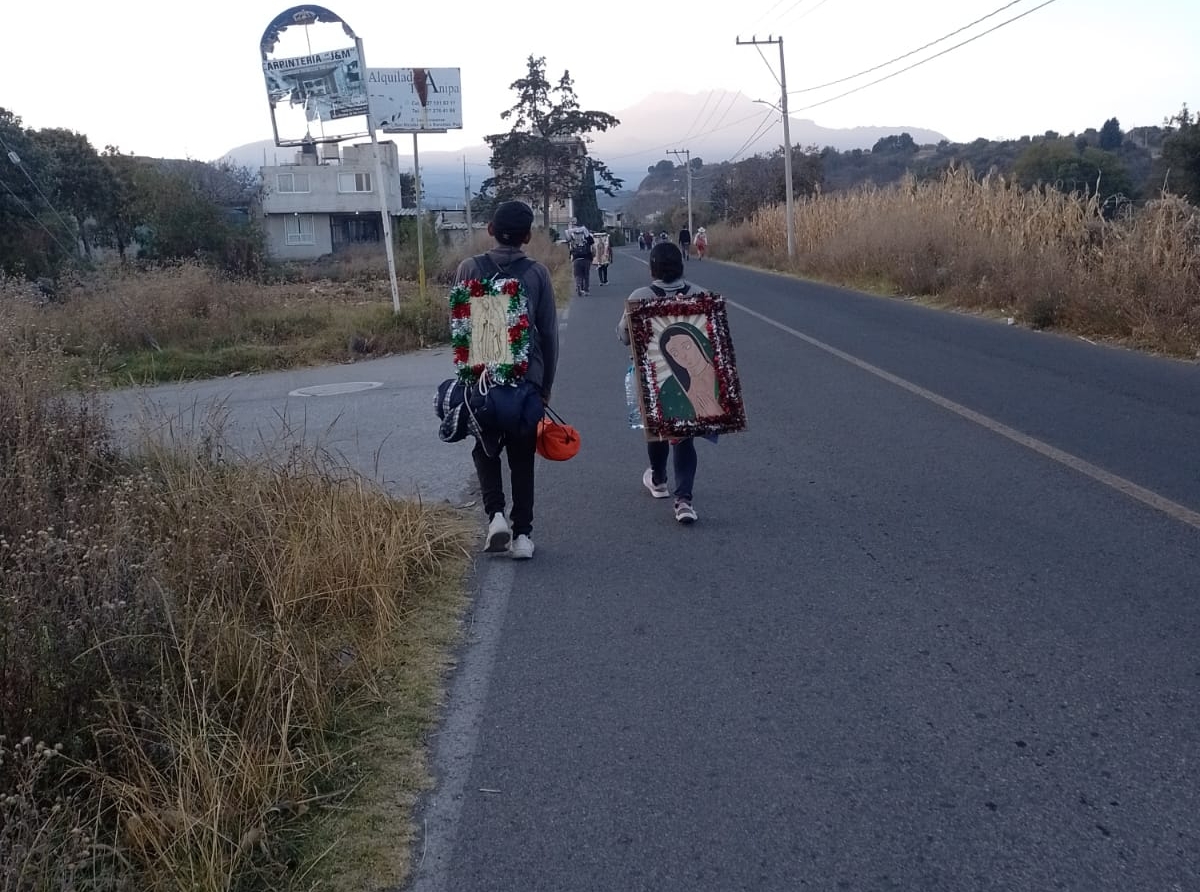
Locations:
518 330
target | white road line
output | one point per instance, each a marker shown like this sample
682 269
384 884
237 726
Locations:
1147 497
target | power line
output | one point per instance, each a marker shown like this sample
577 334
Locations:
707 99
842 80
16 159
36 218
768 64
665 145
811 10
758 133
728 109
770 10
927 59
792 8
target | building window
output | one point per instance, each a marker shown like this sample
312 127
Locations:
354 182
299 229
292 182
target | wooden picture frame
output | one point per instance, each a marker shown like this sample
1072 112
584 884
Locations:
681 349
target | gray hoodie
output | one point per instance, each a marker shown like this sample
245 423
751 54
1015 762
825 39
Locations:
543 316
647 293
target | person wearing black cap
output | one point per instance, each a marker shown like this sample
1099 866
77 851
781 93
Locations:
512 226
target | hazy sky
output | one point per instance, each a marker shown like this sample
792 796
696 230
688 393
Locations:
185 79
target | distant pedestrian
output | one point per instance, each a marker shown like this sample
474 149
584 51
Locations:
685 243
666 271
604 256
579 243
511 226
701 242
662 238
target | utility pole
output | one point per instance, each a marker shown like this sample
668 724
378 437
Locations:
687 154
467 193
787 140
420 220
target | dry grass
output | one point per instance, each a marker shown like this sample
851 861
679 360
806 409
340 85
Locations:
128 326
196 639
1049 259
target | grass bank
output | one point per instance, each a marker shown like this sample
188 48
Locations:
1047 259
121 326
216 672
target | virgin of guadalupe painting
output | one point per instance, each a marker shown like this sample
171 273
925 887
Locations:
684 366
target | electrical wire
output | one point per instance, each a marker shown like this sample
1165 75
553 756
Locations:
674 142
707 99
842 80
768 64
728 109
759 132
792 8
16 160
770 10
810 11
36 218
923 61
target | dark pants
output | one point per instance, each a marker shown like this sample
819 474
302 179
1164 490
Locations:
521 451
684 455
582 267
602 272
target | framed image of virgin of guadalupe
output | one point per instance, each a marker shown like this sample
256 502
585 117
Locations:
684 367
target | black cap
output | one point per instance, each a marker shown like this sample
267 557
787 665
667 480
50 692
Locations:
512 219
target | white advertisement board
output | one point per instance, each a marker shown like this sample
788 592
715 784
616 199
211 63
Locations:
412 100
327 85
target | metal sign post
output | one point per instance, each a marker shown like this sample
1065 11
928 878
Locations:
329 86
420 220
415 100
389 244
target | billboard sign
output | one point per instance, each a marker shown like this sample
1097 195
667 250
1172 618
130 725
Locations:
415 100
315 72
327 85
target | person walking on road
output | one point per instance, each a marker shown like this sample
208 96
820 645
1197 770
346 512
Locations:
701 242
666 271
604 256
579 243
685 242
512 226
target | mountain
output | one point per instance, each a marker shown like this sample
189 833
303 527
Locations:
712 126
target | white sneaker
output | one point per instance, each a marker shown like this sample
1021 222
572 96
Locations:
498 535
522 548
658 490
684 512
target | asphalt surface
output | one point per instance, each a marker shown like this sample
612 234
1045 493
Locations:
936 628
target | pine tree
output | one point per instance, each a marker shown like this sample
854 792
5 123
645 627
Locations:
543 156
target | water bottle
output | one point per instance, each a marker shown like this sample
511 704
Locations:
631 401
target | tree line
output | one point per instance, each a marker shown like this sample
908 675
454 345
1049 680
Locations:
1115 166
62 201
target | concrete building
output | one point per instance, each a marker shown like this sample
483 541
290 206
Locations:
328 199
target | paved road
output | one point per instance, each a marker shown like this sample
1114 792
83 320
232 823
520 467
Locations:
936 628
907 646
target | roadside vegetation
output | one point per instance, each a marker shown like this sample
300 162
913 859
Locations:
1093 233
217 671
197 650
1047 259
129 324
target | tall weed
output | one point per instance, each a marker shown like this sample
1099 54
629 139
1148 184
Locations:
1047 258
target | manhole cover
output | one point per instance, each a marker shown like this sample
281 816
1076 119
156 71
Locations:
336 389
